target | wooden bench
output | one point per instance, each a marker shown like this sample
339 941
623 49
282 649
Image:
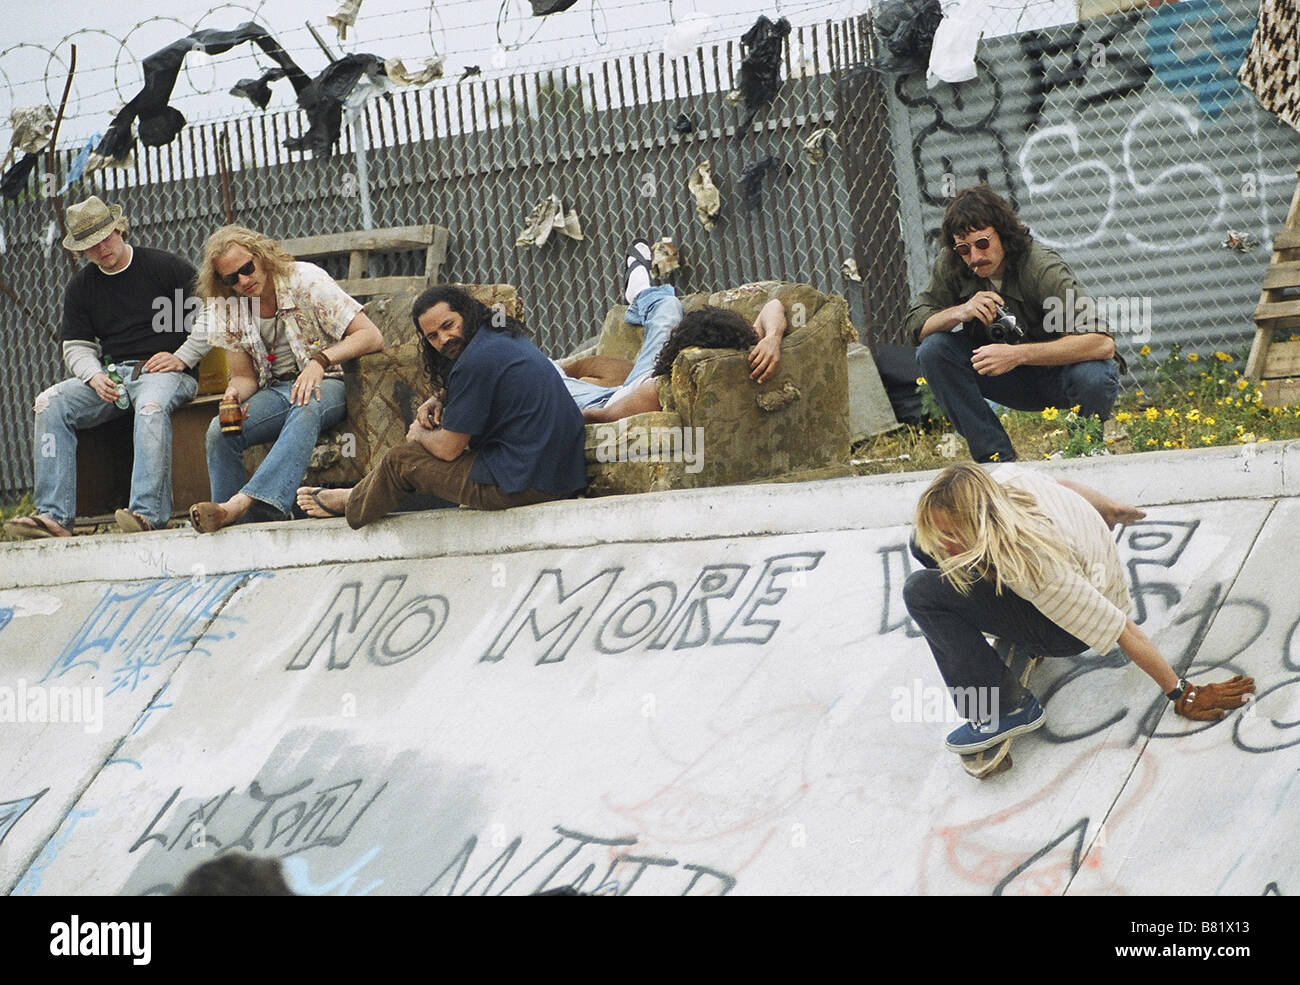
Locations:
359 245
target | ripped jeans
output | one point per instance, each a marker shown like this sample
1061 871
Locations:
71 405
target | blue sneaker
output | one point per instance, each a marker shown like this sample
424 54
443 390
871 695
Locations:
975 737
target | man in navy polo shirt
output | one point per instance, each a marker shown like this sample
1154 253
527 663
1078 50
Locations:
508 435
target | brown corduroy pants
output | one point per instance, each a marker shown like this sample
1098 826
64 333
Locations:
408 469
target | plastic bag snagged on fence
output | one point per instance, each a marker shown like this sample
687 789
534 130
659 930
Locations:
907 29
760 71
15 179
33 126
665 258
547 216
403 76
159 123
751 179
344 17
543 7
818 144
258 90
322 101
952 55
708 201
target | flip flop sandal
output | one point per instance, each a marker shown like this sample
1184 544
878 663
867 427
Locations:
132 523
315 498
34 527
207 518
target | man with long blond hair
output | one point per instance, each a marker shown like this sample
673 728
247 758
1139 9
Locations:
286 328
1031 562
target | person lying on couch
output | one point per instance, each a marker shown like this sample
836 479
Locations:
710 327
596 381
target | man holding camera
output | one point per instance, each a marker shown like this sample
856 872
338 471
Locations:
993 323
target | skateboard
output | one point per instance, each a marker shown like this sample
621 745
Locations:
997 759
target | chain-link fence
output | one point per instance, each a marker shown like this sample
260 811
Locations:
1125 142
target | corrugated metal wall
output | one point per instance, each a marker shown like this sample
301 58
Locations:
1128 145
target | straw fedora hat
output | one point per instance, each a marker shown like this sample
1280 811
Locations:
91 222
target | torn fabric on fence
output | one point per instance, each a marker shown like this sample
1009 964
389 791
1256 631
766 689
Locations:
344 17
751 179
159 123
1271 69
549 216
322 101
818 145
33 126
15 179
708 201
760 72
403 76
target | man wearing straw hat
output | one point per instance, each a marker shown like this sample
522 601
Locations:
127 307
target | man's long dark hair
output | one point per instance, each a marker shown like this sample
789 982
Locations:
977 208
475 314
709 327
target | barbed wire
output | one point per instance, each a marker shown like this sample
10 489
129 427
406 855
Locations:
118 79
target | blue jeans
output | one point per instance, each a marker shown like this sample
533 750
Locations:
954 626
658 309
65 407
273 417
945 362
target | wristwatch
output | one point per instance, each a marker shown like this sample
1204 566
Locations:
1177 692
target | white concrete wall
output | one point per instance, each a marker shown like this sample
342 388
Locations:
703 692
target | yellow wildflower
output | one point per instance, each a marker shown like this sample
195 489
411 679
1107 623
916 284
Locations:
1209 439
1192 357
1169 444
920 381
1151 414
1050 413
1242 384
1123 417
1223 357
1151 441
1145 350
1209 421
1075 408
1193 415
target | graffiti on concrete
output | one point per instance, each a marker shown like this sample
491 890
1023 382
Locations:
138 627
574 859
12 810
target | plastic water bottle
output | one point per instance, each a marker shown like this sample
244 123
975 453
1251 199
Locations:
123 401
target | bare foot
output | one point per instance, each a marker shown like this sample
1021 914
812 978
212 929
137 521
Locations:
320 503
35 527
210 517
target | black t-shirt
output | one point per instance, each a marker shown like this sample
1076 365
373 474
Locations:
526 428
136 312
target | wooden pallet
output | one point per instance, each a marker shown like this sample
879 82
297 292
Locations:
359 245
1277 364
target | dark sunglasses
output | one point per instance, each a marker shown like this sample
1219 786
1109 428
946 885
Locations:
963 249
230 280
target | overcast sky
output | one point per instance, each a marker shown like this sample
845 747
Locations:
501 37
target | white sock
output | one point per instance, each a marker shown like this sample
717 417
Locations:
638 279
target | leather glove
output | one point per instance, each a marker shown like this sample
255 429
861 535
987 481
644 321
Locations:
1210 702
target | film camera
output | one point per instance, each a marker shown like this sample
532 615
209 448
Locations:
1004 328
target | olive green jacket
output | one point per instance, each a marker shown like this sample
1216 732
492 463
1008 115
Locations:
1041 288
